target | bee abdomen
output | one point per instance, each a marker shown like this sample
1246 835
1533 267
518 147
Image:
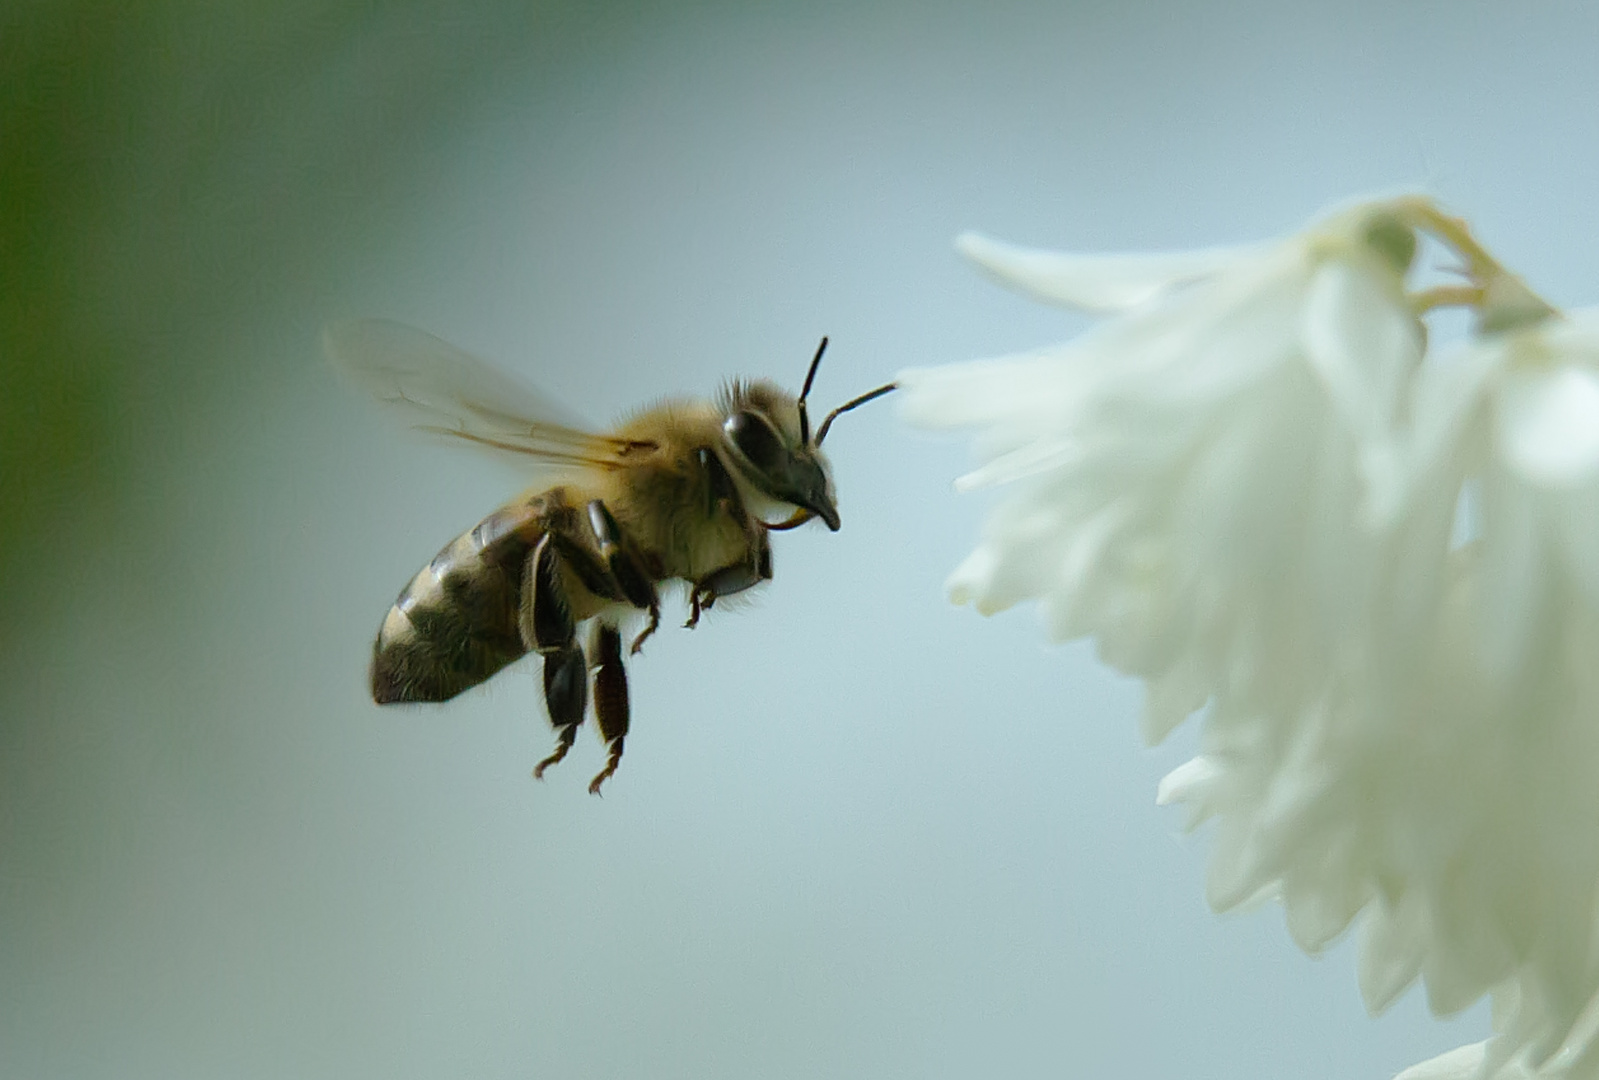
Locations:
455 624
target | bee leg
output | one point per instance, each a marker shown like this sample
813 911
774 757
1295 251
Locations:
546 619
566 697
731 579
631 577
649 628
722 494
610 700
548 628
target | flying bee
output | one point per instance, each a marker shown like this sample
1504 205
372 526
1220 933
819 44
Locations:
685 490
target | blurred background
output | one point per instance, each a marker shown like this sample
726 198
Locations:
857 832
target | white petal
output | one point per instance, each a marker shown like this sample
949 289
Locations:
981 391
1461 1063
1188 782
1173 697
1363 343
1239 872
1103 284
1361 340
1448 396
1458 972
1513 573
1392 944
1548 424
971 579
1579 1042
1324 892
1042 455
1576 517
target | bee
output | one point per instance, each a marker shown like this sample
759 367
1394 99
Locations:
682 491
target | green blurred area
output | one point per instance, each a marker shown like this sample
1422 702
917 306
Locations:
169 172
59 134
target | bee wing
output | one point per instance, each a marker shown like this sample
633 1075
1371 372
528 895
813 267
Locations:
446 391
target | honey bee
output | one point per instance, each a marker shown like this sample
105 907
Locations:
684 490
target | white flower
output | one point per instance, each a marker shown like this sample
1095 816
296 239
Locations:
1244 395
1505 792
1246 486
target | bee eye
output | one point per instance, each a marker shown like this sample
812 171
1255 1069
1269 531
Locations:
755 439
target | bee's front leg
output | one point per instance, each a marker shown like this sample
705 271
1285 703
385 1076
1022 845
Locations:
742 575
632 578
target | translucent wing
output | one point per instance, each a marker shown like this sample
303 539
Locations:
448 392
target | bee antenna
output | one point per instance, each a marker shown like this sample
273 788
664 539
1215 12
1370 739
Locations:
853 403
810 377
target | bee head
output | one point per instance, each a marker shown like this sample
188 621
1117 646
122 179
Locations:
766 433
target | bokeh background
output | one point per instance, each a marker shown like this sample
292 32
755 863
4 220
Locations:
857 832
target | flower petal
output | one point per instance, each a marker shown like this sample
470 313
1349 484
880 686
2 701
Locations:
1103 284
1173 697
1189 782
1363 343
1512 573
1393 944
1547 422
1461 1063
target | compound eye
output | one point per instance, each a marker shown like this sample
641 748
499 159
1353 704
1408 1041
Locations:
755 439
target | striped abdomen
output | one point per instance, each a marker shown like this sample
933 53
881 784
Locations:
455 624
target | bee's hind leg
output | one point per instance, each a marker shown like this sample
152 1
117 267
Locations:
566 681
548 628
610 700
629 573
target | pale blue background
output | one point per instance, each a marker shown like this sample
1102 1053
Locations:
857 832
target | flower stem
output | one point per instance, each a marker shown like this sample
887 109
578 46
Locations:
1446 296
1502 300
1424 214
